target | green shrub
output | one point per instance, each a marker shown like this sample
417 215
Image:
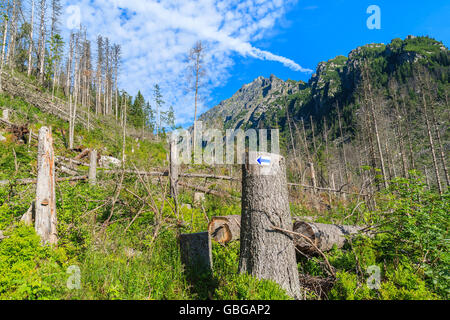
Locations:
29 270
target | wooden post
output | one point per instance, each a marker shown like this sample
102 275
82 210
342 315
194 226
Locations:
93 168
45 189
196 254
313 177
265 252
174 171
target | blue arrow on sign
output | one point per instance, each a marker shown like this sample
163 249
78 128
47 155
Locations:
261 160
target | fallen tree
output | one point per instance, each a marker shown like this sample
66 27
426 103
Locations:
227 229
324 236
34 181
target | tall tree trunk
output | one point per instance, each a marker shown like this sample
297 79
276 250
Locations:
42 43
408 135
430 139
45 189
343 146
4 45
290 132
375 126
30 48
305 142
313 135
399 138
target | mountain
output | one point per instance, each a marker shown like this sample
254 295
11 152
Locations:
383 107
249 105
337 81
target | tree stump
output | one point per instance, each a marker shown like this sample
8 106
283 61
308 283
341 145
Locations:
196 252
266 253
46 221
225 229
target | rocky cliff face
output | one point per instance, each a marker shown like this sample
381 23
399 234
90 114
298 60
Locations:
247 106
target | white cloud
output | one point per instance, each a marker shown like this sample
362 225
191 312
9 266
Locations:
157 35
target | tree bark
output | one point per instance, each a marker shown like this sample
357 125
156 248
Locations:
196 255
45 189
324 236
375 124
266 253
42 42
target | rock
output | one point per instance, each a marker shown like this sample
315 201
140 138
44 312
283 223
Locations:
107 161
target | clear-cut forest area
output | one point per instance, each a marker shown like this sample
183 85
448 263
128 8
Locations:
94 204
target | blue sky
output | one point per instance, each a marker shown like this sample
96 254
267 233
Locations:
244 38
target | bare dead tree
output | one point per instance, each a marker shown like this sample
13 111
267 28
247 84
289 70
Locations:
42 28
197 70
12 42
435 124
30 46
425 106
371 104
4 43
99 74
342 145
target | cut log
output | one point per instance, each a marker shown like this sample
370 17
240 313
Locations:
46 221
196 254
225 229
324 236
265 253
